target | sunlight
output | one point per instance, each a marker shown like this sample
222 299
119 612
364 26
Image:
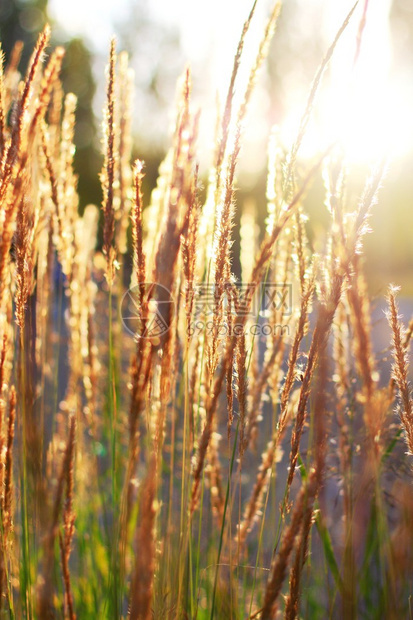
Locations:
364 105
372 124
93 19
196 371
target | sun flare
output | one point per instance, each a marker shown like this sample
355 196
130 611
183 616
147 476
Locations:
364 104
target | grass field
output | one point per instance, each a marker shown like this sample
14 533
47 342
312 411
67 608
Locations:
177 440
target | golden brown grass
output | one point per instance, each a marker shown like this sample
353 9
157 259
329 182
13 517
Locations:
119 496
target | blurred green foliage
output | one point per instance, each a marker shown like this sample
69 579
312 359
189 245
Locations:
77 78
22 20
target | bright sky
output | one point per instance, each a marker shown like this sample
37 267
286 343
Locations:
371 105
200 23
92 19
368 109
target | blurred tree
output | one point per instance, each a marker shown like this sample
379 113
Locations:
77 78
23 20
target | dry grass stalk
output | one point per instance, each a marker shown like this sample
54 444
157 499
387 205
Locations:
400 369
10 184
318 344
267 246
14 61
54 116
270 373
179 199
301 250
261 56
308 287
140 376
280 563
360 318
108 171
230 371
241 365
360 31
301 554
255 500
3 373
261 262
271 367
225 204
408 334
24 259
224 223
69 518
226 117
189 243
141 589
125 151
2 114
48 81
13 147
7 495
221 265
214 476
289 177
319 456
180 202
328 308
137 230
8 467
65 479
51 173
66 207
345 414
